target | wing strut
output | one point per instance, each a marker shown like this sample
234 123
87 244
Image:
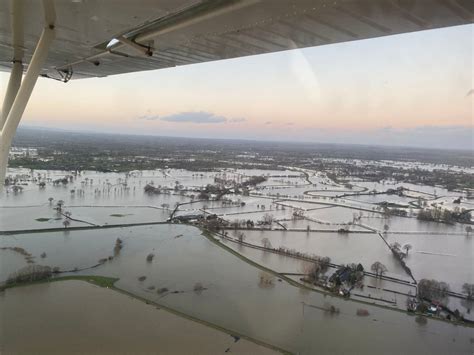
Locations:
19 91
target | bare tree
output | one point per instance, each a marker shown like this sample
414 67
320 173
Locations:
266 243
378 268
266 280
407 248
118 246
240 237
432 289
468 230
395 246
198 288
59 205
468 289
267 219
30 273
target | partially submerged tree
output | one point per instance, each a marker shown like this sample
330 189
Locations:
198 288
468 289
240 237
30 273
395 246
378 268
266 243
407 248
267 219
118 246
432 289
266 280
59 205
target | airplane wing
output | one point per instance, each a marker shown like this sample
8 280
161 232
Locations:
96 38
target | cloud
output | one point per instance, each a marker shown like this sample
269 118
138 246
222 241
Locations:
470 93
237 120
268 122
194 117
148 117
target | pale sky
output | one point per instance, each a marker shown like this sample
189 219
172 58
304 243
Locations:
412 89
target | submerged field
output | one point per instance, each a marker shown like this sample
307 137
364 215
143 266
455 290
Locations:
228 285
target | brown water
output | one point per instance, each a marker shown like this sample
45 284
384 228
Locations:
77 317
234 298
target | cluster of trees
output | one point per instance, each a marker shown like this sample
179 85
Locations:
213 189
439 214
351 274
432 290
64 181
30 273
315 269
242 223
397 249
299 254
468 289
150 189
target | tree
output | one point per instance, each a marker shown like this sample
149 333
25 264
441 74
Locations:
240 237
50 199
468 289
468 230
66 223
432 289
59 205
30 273
266 280
386 228
267 219
378 268
198 288
407 248
395 246
118 246
266 243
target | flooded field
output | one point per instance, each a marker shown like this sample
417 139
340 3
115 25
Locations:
237 287
107 322
229 284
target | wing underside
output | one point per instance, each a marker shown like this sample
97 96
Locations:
96 38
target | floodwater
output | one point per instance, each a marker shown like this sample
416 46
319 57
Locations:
77 317
233 296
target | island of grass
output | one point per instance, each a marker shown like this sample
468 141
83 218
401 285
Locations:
42 219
